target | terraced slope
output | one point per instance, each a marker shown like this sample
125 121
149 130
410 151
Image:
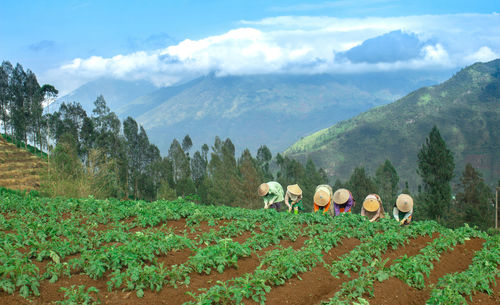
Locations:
88 251
19 169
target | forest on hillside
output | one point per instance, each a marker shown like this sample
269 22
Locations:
98 155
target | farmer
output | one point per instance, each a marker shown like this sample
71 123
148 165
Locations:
403 209
343 201
323 199
372 208
293 198
272 193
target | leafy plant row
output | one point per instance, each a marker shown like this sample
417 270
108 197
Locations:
480 275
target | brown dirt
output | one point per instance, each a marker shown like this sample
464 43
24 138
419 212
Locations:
484 298
302 291
395 291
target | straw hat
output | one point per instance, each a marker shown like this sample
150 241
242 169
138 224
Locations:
263 189
404 203
294 189
371 203
341 196
321 198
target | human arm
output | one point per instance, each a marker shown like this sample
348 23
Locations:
395 213
407 215
376 216
363 212
287 199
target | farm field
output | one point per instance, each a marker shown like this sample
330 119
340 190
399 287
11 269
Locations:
88 251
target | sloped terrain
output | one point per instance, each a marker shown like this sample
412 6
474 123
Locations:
465 108
134 252
19 169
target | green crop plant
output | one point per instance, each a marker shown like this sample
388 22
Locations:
77 295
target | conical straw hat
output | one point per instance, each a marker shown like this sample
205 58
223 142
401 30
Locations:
371 203
321 198
341 196
294 189
263 189
404 203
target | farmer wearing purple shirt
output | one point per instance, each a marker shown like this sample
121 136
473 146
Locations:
343 201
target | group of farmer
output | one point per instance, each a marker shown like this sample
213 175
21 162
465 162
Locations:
334 204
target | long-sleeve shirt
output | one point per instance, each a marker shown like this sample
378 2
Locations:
346 206
275 193
398 215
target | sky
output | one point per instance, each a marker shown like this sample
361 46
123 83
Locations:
68 42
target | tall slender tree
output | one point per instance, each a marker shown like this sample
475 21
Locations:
435 166
387 181
5 93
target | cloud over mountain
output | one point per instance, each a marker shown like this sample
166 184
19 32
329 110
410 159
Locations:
304 45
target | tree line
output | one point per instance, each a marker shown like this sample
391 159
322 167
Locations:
99 155
21 104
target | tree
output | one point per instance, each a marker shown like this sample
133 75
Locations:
360 185
198 168
34 115
250 180
264 156
5 93
19 106
474 201
435 166
187 144
387 181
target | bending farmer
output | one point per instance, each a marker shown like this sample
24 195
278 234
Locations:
403 209
372 208
293 198
323 199
343 201
273 195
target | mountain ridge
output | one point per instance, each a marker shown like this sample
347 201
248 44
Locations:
464 108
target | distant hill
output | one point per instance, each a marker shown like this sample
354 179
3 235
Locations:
252 110
116 93
466 109
275 110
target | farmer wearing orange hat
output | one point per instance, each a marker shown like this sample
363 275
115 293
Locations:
403 209
272 193
343 201
293 198
323 199
372 207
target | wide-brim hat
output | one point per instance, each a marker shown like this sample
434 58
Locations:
371 204
263 189
341 196
321 198
294 189
404 203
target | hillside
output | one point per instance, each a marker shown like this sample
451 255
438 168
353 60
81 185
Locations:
466 109
252 110
275 110
19 169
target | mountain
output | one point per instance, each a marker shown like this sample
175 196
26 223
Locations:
115 92
465 108
275 110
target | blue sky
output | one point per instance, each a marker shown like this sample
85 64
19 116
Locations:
67 43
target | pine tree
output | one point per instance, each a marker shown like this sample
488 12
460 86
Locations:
435 166
5 93
475 199
387 180
360 185
249 181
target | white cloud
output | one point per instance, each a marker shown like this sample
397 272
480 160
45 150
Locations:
294 45
483 54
